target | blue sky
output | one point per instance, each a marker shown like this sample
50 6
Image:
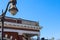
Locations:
46 12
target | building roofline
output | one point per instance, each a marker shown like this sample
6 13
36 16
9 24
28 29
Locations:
20 19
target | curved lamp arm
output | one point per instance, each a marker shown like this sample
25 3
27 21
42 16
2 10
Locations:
3 13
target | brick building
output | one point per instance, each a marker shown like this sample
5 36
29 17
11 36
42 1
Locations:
20 29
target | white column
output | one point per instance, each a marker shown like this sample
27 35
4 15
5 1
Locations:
29 38
38 37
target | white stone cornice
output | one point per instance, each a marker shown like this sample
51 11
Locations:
16 25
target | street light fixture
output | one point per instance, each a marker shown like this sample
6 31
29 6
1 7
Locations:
12 8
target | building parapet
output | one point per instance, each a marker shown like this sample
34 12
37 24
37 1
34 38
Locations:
17 25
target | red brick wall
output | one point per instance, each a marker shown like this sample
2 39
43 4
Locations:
11 20
14 34
20 37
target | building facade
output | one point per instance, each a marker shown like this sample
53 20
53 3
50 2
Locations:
20 29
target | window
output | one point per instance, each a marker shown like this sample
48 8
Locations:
6 35
11 37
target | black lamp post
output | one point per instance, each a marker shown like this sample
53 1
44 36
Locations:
12 8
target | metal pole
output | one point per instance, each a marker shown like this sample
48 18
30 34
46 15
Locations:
2 20
2 27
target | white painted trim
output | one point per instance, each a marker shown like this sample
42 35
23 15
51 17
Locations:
17 25
20 32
